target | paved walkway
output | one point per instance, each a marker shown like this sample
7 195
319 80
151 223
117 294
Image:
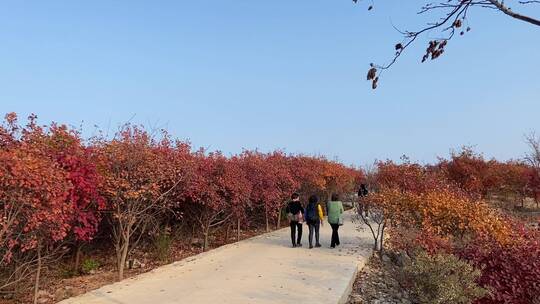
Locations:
263 269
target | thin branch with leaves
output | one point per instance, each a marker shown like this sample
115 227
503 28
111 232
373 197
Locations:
453 20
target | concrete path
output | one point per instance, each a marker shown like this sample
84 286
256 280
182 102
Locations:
263 269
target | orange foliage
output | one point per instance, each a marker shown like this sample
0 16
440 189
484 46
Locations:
442 212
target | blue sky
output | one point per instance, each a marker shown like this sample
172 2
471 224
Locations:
229 75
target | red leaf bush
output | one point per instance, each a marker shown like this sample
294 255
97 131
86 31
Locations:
511 271
437 209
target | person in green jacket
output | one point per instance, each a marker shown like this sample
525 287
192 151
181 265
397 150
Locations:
335 218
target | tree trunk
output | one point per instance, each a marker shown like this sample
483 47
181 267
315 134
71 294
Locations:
205 244
381 241
38 273
266 218
122 263
376 244
278 221
227 233
192 234
238 230
118 249
123 257
206 231
78 254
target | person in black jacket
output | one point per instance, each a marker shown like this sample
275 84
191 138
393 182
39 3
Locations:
362 193
314 219
295 213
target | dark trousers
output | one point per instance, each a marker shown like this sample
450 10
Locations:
294 226
335 235
313 226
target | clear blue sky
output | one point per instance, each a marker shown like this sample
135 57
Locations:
272 74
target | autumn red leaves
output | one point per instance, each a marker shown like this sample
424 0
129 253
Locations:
58 190
447 208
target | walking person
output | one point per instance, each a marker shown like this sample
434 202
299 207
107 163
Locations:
314 219
362 193
295 213
335 218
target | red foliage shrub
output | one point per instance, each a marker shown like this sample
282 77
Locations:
410 240
468 170
65 147
511 271
33 195
409 177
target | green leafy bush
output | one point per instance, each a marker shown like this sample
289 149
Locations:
89 265
441 279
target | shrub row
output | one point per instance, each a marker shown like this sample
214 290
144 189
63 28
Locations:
435 219
58 189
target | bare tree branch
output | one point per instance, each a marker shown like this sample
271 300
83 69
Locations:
500 5
453 20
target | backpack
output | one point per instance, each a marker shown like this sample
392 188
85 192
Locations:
311 212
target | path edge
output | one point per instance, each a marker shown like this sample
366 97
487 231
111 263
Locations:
348 290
